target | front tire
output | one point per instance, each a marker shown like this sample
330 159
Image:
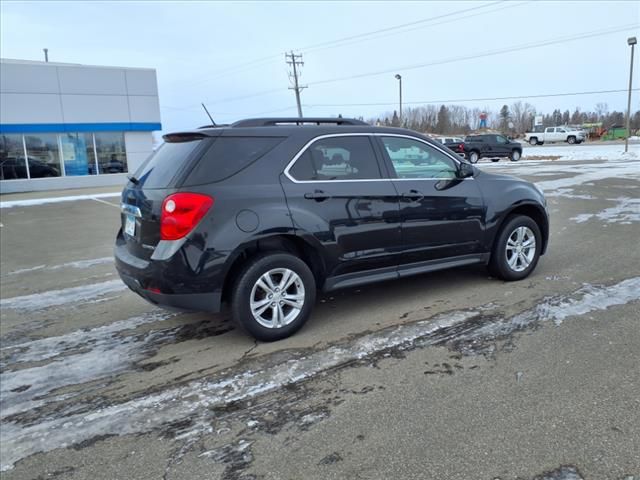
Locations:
474 157
533 141
571 140
515 155
517 249
273 296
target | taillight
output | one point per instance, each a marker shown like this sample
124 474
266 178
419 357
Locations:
181 212
461 147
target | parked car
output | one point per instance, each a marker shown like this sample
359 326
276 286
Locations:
556 134
452 143
491 146
262 214
13 168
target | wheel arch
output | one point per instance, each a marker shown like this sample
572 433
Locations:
287 243
533 211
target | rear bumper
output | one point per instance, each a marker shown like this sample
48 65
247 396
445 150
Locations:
198 302
169 284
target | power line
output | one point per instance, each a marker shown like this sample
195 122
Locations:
388 34
350 39
395 27
483 54
462 100
555 41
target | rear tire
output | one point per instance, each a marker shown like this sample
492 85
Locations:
474 157
515 155
265 278
514 254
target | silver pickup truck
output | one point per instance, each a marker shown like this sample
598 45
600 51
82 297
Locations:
555 134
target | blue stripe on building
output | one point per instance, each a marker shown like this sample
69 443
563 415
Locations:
78 127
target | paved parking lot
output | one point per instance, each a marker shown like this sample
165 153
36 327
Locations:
446 375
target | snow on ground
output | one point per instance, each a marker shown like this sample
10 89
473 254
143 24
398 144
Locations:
583 152
572 174
197 399
43 201
91 262
625 212
52 298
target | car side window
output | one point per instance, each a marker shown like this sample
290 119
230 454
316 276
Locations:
337 158
561 130
500 139
415 159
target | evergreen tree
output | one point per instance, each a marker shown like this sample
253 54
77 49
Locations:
504 118
443 123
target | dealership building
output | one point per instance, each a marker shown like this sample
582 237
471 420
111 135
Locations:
73 126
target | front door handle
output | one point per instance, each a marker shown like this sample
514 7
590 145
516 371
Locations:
413 195
317 195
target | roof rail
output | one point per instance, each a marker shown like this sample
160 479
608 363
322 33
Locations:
217 125
269 122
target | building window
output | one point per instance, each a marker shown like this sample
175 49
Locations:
112 157
12 164
64 154
43 155
78 154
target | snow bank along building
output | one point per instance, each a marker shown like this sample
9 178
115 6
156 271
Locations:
72 126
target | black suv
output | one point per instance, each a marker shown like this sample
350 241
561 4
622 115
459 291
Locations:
491 146
262 213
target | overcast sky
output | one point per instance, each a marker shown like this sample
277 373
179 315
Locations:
197 47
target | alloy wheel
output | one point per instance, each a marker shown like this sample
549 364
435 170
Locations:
277 298
520 249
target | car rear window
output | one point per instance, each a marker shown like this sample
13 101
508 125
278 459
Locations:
227 156
159 170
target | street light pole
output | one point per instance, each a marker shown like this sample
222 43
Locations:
631 41
399 78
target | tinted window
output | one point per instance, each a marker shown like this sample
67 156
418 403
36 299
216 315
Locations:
474 139
44 156
500 139
12 164
227 156
338 158
112 157
161 167
414 159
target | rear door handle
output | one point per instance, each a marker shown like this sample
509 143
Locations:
413 195
317 195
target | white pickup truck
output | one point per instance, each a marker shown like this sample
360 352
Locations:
555 134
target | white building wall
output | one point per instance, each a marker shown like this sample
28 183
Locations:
139 145
77 98
77 94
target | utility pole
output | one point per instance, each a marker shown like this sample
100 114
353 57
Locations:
295 60
399 78
632 43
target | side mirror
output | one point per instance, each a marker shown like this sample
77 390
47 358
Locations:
465 170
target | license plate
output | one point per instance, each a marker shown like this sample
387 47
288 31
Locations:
130 225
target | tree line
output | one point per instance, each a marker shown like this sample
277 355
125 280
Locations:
515 119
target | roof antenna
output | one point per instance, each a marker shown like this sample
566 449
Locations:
209 115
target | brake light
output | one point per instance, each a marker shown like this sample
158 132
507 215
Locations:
461 147
181 212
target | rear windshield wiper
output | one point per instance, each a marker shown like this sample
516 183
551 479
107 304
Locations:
133 179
